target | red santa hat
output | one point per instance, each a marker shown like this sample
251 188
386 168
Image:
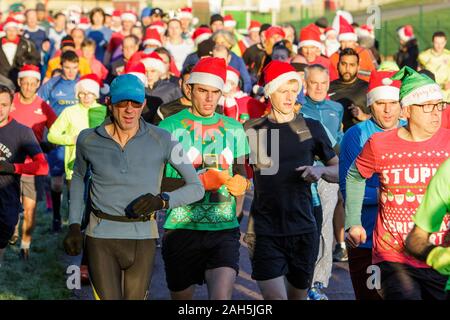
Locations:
90 83
117 13
158 26
273 30
346 31
228 21
185 13
11 22
365 31
29 70
154 61
152 37
201 34
406 33
84 23
233 74
138 70
209 71
310 36
2 33
381 87
254 26
330 29
128 16
275 74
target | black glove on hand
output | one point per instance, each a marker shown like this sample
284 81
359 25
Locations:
6 167
47 146
73 242
144 205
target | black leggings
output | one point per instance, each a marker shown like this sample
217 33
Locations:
108 258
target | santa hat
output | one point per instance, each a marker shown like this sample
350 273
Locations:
201 34
416 88
254 26
29 70
273 30
158 26
154 61
185 12
11 22
330 30
365 31
20 17
233 74
228 21
406 33
152 37
128 16
2 33
310 36
84 23
344 14
275 74
209 71
90 83
346 31
137 69
116 13
381 87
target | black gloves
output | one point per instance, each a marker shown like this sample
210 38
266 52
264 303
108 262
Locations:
47 146
143 206
73 242
6 167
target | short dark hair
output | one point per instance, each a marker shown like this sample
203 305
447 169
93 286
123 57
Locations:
214 18
94 11
132 36
439 34
88 42
59 13
164 51
70 56
5 89
187 70
348 52
264 27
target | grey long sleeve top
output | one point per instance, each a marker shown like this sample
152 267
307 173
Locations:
121 175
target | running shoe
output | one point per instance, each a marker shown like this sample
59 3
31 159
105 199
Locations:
316 292
340 254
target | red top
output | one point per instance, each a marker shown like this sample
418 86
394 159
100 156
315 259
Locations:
37 115
405 169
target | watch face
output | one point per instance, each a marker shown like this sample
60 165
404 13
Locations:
165 196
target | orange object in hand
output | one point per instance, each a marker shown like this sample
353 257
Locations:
237 185
212 179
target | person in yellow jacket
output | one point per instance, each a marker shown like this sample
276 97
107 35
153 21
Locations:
437 60
88 113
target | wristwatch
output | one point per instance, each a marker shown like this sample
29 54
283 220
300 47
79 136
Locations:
165 198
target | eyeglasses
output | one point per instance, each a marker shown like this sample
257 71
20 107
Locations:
428 108
86 94
126 103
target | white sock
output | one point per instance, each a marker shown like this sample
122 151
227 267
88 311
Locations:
25 245
342 244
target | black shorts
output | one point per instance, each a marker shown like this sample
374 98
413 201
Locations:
403 282
188 254
6 232
291 256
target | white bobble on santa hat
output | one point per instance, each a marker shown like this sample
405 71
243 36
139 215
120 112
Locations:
29 70
228 21
138 70
154 61
382 87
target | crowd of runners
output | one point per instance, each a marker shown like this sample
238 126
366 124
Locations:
342 151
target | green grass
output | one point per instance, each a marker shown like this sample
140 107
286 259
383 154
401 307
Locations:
43 276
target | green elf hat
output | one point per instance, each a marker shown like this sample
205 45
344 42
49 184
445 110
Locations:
416 88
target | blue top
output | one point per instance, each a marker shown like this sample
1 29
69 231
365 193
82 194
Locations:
101 38
329 113
120 175
59 93
351 145
235 62
37 37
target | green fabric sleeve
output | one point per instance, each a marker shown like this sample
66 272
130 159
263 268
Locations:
355 186
436 203
58 131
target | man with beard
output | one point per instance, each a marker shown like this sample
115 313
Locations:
349 90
